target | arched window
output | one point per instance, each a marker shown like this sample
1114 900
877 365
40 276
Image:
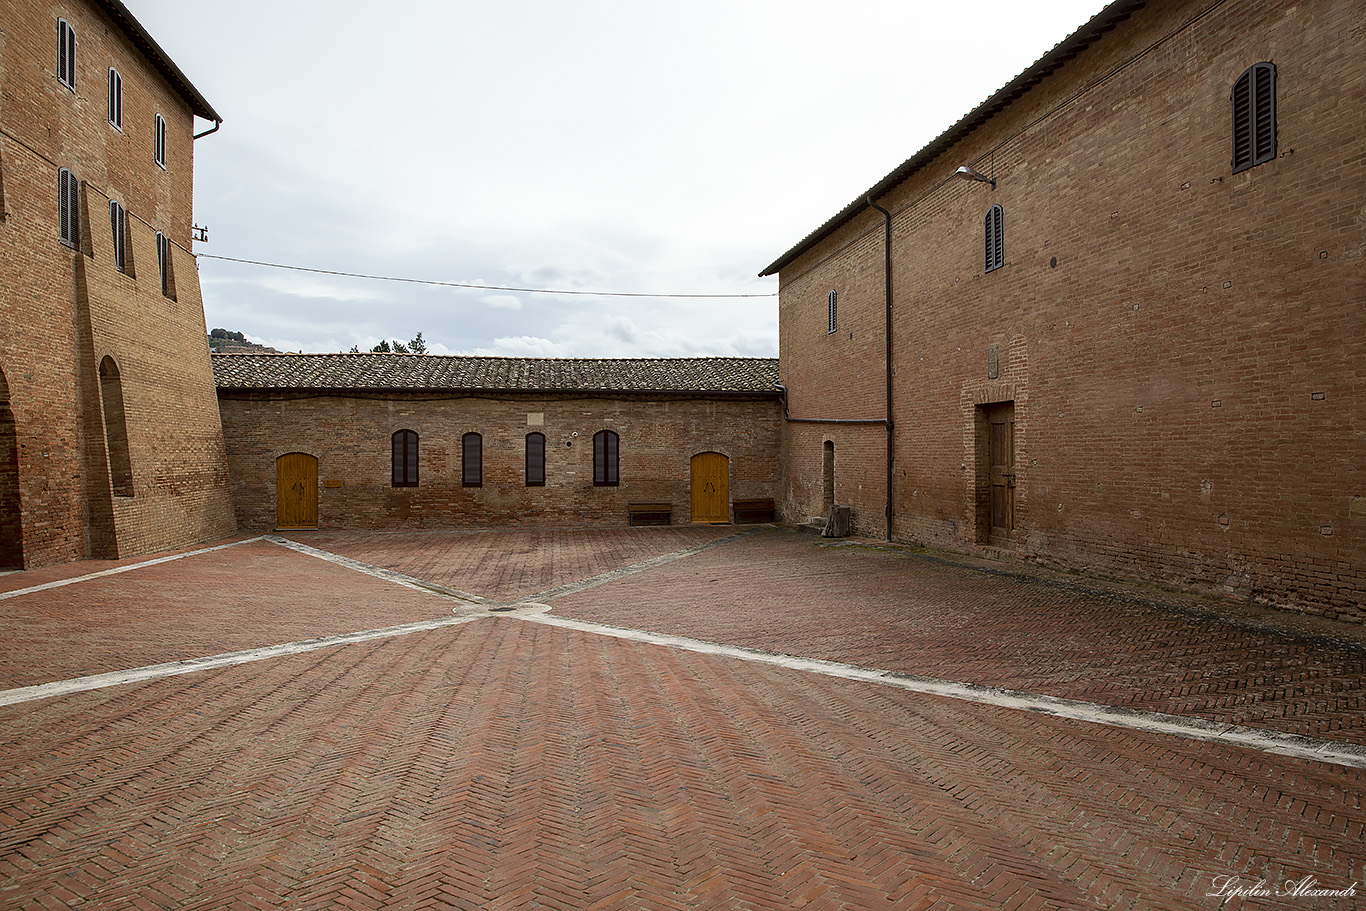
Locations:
472 460
535 460
1254 116
68 208
404 460
115 429
995 239
606 444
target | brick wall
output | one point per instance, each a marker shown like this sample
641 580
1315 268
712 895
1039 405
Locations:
65 310
1185 347
350 436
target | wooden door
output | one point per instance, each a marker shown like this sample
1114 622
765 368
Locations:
296 491
1001 467
711 488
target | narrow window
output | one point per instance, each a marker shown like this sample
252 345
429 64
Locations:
66 54
115 99
1254 116
832 314
115 429
535 460
404 462
118 224
166 265
159 146
472 460
68 208
605 450
995 239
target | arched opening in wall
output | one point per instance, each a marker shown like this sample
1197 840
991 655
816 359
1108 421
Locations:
115 429
710 488
828 477
296 491
11 516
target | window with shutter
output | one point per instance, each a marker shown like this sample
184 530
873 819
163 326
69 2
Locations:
118 223
1254 116
832 315
159 142
166 265
606 444
404 461
115 99
472 460
535 460
68 208
66 54
995 239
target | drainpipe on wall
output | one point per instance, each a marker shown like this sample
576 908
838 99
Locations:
212 129
887 361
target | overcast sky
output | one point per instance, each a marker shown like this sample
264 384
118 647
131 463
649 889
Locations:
599 145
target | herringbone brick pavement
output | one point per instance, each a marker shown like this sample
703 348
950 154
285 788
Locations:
509 764
249 596
898 611
506 564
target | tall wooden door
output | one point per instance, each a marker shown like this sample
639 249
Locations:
711 488
296 491
1001 462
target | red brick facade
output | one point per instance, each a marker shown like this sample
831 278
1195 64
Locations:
1184 346
350 434
110 442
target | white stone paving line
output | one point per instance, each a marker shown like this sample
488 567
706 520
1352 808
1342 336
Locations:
123 569
1294 745
378 572
228 659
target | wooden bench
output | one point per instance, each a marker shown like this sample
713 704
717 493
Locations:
650 513
752 511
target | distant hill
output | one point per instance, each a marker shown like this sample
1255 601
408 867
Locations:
224 342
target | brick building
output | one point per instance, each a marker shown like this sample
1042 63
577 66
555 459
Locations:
1133 339
110 441
379 441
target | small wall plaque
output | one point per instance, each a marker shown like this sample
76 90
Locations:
331 483
994 362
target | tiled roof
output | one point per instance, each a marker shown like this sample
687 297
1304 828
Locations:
432 372
159 59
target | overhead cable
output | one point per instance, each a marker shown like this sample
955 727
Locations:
424 281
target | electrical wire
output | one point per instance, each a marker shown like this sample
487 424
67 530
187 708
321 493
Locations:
424 281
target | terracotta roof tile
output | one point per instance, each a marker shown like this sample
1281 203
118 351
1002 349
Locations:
432 372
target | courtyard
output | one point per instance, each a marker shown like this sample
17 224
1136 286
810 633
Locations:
710 717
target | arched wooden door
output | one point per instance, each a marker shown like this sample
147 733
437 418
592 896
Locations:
296 491
710 488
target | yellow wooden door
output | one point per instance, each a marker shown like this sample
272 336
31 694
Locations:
296 491
710 488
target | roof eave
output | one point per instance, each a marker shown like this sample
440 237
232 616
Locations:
159 59
1104 21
